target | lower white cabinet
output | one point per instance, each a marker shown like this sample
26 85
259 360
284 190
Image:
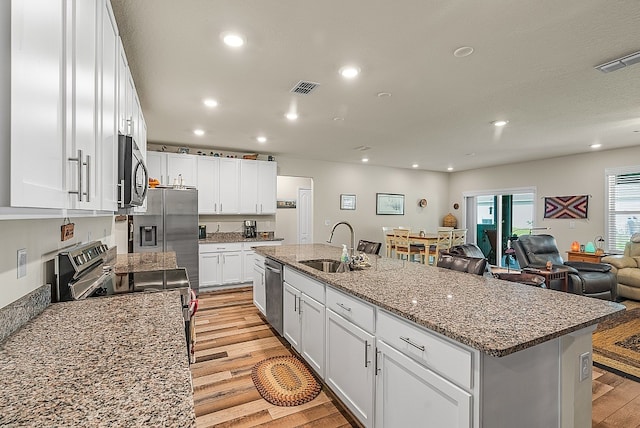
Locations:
303 326
248 261
410 395
259 288
220 264
350 365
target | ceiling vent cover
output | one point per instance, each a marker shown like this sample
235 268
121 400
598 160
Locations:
305 88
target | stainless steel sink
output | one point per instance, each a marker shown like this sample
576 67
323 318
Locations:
325 265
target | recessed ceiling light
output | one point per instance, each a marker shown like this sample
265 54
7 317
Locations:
595 145
383 94
338 119
463 51
500 123
450 168
261 139
365 159
291 115
198 132
210 102
349 71
415 165
233 40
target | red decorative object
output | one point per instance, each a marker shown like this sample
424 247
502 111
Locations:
575 246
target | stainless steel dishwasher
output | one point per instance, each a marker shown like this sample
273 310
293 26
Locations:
273 284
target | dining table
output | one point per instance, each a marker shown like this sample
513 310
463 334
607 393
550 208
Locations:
426 239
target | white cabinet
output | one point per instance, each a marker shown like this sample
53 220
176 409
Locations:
220 264
124 103
208 184
267 186
408 394
229 186
303 318
259 289
248 260
182 165
350 368
38 154
258 187
157 166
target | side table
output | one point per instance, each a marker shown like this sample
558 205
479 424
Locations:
576 256
560 273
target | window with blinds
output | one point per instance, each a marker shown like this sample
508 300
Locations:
623 206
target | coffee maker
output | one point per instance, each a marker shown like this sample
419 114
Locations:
249 229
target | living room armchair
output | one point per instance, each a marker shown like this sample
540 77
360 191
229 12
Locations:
627 269
589 279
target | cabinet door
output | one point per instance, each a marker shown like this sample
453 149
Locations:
259 291
248 257
408 394
312 333
157 166
124 110
108 166
232 267
209 270
267 186
249 187
291 315
349 369
181 165
208 195
229 186
38 153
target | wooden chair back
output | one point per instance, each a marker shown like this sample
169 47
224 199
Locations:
458 237
402 244
443 243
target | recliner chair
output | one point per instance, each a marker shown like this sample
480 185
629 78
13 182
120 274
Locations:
588 279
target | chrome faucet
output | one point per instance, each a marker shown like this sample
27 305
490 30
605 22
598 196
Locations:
353 236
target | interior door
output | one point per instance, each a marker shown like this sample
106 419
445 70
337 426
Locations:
305 216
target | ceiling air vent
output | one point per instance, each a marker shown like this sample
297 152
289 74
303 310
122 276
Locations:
304 87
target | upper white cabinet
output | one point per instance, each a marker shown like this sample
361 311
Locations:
182 166
258 187
38 153
71 92
229 186
208 190
157 166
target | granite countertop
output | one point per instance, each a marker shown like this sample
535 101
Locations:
227 237
99 362
494 316
145 262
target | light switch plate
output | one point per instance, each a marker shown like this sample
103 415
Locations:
22 263
585 366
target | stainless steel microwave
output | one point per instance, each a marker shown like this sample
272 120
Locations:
133 177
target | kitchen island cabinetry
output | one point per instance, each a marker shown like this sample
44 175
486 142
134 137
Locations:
259 286
451 349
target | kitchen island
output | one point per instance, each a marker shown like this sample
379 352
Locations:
512 353
108 361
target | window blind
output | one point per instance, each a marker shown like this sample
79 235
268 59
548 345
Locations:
622 206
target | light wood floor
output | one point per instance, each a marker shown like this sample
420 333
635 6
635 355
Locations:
232 338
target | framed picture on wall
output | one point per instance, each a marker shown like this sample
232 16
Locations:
389 204
347 202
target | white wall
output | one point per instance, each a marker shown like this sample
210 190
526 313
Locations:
330 179
287 218
570 175
41 238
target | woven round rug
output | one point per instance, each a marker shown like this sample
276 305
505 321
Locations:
285 381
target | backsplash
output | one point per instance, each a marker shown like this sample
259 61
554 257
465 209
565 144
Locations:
18 313
235 224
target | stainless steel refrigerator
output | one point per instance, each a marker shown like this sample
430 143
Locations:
170 224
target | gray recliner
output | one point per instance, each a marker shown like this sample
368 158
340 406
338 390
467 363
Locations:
588 279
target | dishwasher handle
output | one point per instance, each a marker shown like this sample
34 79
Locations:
273 270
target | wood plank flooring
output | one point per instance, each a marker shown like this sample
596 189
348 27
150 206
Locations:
232 338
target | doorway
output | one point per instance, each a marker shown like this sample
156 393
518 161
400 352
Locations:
294 219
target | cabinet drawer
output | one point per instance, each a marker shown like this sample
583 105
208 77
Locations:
258 260
216 248
251 244
352 308
308 286
434 351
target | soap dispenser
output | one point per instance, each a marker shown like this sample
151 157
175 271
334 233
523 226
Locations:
345 254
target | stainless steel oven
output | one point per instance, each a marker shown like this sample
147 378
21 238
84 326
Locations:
133 177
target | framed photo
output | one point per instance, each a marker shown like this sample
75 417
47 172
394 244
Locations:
347 202
389 204
286 204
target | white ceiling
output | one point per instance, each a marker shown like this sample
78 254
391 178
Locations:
533 65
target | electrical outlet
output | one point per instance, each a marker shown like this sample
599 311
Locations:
572 224
22 263
585 366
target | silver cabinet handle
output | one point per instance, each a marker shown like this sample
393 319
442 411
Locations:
260 208
256 207
410 342
377 367
366 353
346 308
295 303
121 200
88 164
300 306
220 207
79 160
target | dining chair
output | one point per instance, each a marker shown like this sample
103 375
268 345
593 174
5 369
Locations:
458 237
403 246
443 242
388 241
